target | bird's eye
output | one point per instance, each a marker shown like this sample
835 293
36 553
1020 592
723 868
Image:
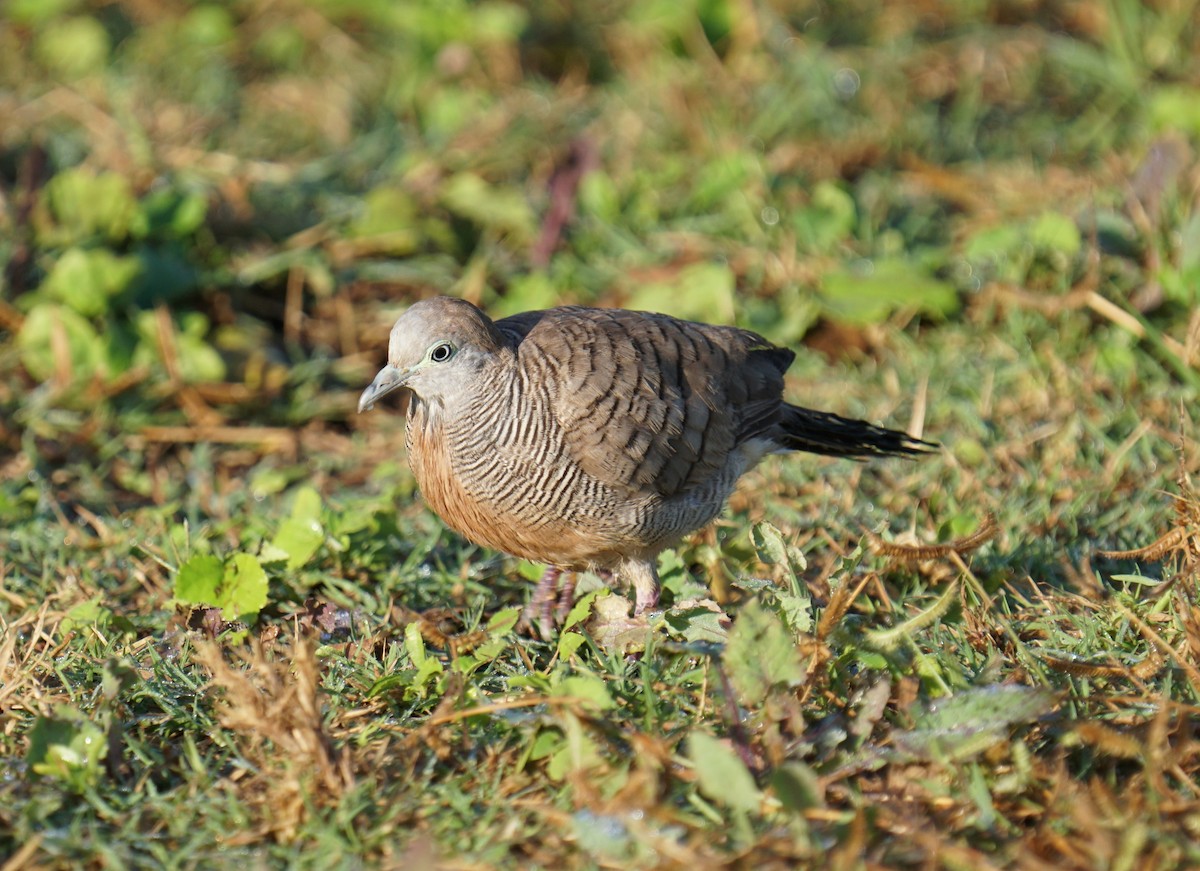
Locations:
441 353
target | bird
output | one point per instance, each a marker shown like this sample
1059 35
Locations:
592 439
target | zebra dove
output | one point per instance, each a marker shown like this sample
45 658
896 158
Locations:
591 438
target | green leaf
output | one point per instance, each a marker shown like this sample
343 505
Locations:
244 588
769 543
17 502
85 614
198 581
87 280
498 22
969 722
301 535
723 776
49 329
527 293
349 521
67 747
698 624
797 786
502 622
546 742
85 205
390 220
698 292
389 683
588 688
753 585
282 46
414 644
579 751
500 209
721 178
580 610
238 587
208 24
530 571
599 197
168 213
32 12
857 296
267 482
994 243
119 676
1055 232
195 359
760 654
970 452
604 836
1175 108
269 554
448 110
1139 580
427 666
827 220
1189 247
773 549
784 318
306 504
796 608
73 47
999 253
870 660
569 643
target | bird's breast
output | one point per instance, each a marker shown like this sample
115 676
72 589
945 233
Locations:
499 471
502 480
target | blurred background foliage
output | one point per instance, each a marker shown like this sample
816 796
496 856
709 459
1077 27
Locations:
211 211
982 215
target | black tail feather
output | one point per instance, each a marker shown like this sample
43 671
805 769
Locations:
820 432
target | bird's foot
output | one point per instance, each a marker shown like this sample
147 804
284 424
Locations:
644 578
645 600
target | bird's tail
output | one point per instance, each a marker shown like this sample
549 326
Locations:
820 432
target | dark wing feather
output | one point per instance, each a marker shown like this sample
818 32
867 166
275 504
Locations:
649 403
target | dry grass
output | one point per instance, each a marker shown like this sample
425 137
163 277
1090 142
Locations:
273 706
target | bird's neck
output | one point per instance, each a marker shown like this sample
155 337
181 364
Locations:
425 413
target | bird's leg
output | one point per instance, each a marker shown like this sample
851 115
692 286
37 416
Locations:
541 603
643 575
566 597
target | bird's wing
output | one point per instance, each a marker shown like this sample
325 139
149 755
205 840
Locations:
646 402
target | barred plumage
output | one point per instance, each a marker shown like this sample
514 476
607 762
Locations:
595 438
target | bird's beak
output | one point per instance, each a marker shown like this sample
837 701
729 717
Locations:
389 380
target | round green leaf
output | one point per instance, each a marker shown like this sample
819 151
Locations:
87 280
74 47
244 592
723 776
49 330
199 580
85 204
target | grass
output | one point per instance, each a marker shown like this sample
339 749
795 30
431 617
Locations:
231 632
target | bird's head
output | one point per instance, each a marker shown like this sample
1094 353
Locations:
436 347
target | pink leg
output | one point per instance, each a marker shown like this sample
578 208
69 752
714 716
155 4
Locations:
566 597
541 603
644 578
